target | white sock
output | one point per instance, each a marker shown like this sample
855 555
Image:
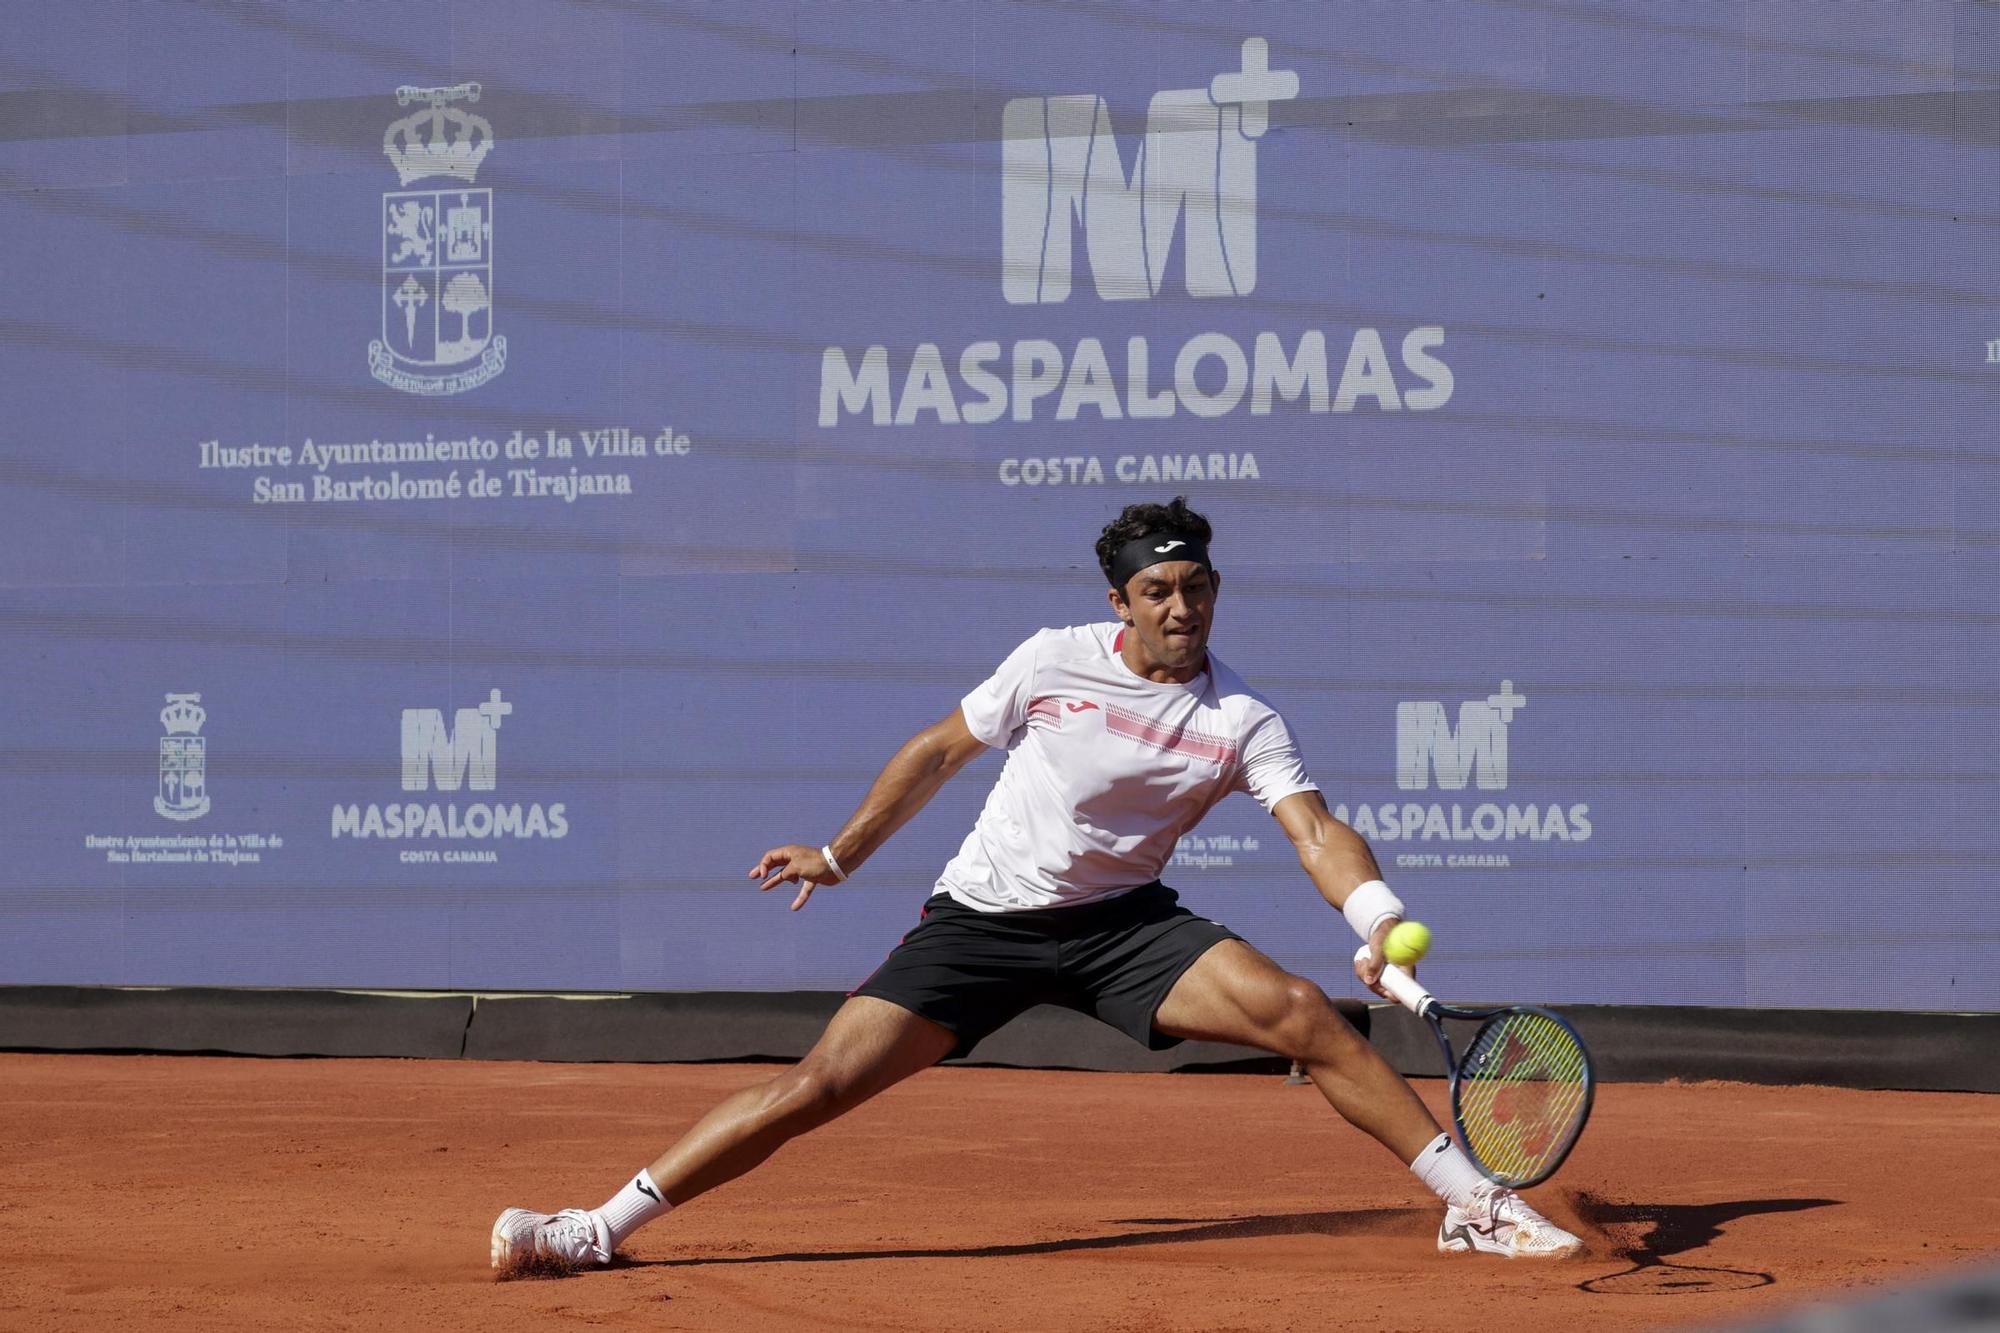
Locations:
632 1207
1449 1172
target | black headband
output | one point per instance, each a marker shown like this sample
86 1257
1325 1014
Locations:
1144 552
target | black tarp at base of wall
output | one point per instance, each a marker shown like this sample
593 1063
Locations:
722 1025
1631 1043
195 1020
1842 1048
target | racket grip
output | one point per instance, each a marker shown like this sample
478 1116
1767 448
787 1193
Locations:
1409 992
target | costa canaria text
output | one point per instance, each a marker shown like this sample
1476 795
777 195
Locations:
1143 469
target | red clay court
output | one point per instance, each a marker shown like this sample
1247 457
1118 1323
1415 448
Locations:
218 1194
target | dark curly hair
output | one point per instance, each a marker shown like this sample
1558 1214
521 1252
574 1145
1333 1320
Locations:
1143 520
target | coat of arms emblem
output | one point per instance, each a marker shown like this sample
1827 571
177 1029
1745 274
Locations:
183 759
437 251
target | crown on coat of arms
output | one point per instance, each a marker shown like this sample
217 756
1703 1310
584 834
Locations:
183 714
440 139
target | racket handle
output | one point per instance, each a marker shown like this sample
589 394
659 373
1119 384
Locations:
1409 992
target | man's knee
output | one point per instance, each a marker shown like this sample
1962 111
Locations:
810 1093
1303 1022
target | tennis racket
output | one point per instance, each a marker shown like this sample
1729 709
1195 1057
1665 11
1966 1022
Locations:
1521 1092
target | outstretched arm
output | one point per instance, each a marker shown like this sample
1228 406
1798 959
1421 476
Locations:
1338 861
906 784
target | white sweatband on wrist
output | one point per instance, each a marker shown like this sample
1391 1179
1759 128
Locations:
1367 905
833 865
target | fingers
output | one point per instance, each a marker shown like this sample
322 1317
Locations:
776 866
1368 967
788 865
1368 971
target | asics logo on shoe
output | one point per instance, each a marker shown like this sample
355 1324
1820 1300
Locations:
1078 708
1162 550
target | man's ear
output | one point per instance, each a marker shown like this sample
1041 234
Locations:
1123 611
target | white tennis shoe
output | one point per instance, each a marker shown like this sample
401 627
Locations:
1501 1222
549 1244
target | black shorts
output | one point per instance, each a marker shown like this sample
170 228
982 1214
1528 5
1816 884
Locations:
1115 960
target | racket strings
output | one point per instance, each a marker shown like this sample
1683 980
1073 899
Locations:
1523 1087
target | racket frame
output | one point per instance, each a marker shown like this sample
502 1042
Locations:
1412 995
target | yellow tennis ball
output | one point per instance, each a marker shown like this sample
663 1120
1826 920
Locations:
1408 942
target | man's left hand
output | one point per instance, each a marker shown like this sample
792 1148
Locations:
1368 967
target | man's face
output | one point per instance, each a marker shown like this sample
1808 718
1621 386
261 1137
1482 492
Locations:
1171 607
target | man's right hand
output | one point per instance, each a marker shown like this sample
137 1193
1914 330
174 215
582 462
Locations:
909 780
793 863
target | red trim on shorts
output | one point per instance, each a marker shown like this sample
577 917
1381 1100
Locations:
885 962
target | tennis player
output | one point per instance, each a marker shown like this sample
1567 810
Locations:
1120 737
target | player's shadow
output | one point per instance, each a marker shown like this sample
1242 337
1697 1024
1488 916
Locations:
1674 1229
1161 1231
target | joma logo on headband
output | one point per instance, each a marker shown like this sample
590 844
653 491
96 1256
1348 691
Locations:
1142 553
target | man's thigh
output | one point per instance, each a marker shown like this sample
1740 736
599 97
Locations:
872 1044
1121 973
1234 993
964 972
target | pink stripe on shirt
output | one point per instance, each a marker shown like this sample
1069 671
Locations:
1175 740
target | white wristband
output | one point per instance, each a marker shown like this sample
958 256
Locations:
1367 905
833 865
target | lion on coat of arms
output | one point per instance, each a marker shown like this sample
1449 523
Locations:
410 225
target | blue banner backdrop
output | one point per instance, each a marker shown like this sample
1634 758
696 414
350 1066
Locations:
476 474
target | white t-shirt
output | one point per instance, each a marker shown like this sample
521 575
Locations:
1105 770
